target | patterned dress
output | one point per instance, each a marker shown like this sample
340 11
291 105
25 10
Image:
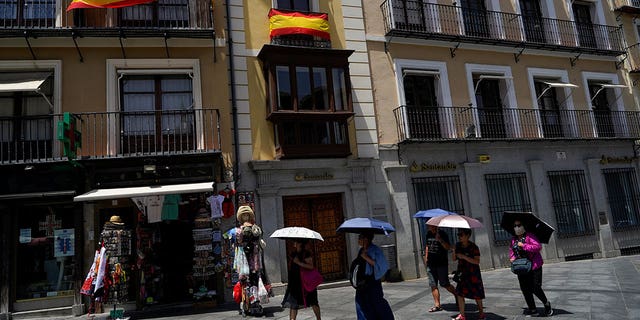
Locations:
470 284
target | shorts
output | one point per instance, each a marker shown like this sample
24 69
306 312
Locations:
438 275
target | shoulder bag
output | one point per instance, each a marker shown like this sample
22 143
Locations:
310 278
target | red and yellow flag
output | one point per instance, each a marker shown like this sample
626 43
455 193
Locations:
78 4
290 22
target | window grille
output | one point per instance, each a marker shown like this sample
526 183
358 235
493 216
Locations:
507 192
437 192
623 198
571 203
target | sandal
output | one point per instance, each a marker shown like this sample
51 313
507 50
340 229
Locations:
459 317
435 309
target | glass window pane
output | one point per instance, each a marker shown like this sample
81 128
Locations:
339 89
340 133
623 196
303 81
6 119
289 133
283 84
9 10
39 9
571 203
320 92
45 253
138 99
298 5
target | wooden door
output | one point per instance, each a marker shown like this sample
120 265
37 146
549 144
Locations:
322 213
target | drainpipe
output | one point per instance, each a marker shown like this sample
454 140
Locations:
234 107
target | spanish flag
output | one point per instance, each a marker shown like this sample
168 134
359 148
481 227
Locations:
291 22
79 4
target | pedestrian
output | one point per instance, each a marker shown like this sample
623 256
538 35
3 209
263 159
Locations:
470 285
370 301
295 296
526 245
437 262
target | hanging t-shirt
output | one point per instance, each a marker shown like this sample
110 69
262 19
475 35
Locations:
228 210
216 205
170 207
154 208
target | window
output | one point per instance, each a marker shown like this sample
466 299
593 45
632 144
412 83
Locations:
422 106
584 24
309 100
571 203
45 252
549 107
601 110
624 199
161 13
26 126
158 113
490 107
437 192
296 5
507 192
28 13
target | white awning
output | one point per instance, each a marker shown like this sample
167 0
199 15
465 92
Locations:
22 81
418 72
118 193
560 84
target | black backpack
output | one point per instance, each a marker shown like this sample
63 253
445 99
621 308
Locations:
357 276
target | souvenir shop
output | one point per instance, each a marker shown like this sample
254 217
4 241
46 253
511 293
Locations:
161 247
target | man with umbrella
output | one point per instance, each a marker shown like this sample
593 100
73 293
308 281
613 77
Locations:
524 227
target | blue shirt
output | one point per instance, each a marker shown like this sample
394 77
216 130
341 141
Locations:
381 266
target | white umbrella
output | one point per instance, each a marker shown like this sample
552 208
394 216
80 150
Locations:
455 221
296 233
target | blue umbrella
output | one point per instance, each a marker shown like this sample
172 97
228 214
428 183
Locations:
359 225
432 213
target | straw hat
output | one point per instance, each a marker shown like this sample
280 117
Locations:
245 211
116 220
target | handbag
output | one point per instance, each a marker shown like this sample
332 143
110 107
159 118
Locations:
521 266
357 276
310 278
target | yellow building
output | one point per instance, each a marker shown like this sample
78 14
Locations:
100 107
497 105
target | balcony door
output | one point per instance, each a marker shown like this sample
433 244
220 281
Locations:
27 13
490 109
584 24
474 14
422 106
26 123
549 107
161 13
157 114
532 20
601 110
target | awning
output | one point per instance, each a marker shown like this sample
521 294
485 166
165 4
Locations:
607 86
47 194
118 193
418 72
555 85
22 81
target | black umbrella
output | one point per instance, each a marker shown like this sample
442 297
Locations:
531 223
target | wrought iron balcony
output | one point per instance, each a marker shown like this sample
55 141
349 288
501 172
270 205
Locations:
465 123
104 135
417 19
632 57
162 18
628 6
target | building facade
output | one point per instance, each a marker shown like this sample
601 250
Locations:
308 144
507 105
101 107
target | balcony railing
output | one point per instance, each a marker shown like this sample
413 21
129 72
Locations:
31 139
460 123
417 19
170 18
630 6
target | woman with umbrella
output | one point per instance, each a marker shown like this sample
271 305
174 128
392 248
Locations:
295 297
526 245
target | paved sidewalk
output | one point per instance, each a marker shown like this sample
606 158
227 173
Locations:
587 289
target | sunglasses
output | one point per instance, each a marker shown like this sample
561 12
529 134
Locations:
517 225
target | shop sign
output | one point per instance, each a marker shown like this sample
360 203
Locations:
447 166
308 176
64 240
25 235
614 160
49 224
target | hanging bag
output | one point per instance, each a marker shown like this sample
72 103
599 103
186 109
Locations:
521 266
310 278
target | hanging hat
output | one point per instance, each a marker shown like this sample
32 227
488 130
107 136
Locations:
245 210
116 220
